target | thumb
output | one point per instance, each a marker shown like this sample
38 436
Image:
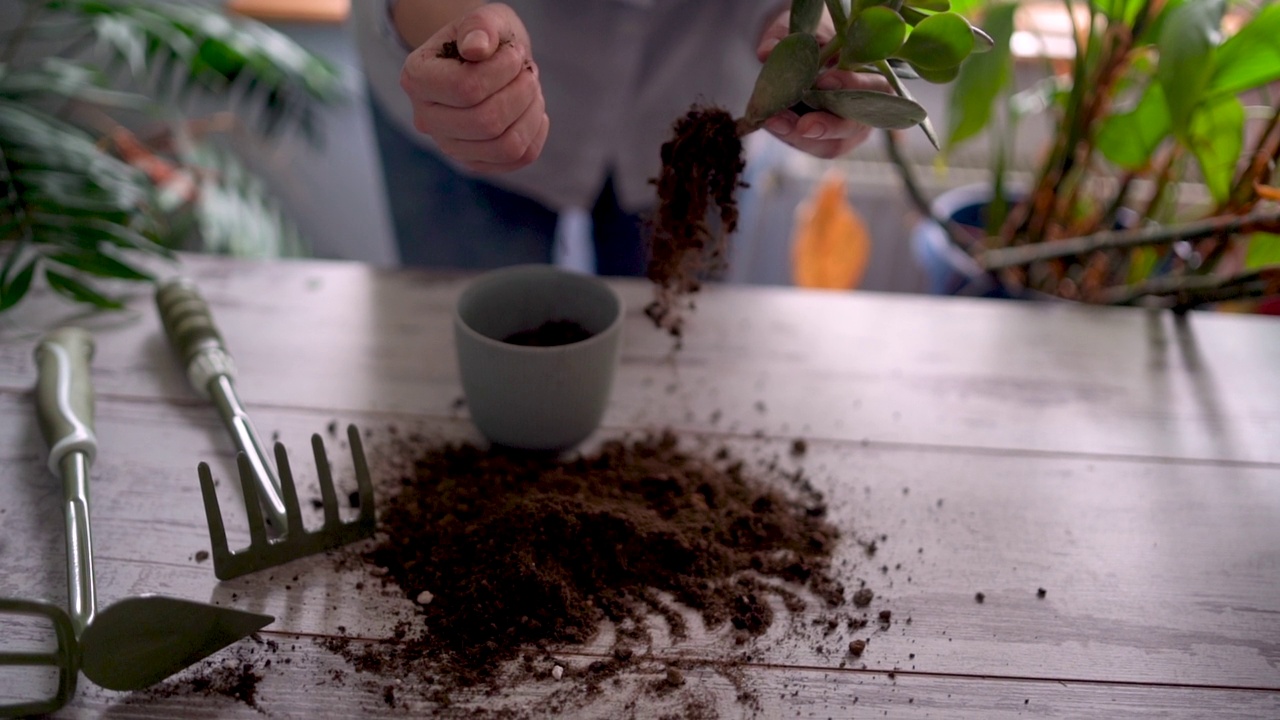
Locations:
478 34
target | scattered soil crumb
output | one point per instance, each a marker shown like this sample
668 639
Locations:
1041 592
202 555
980 598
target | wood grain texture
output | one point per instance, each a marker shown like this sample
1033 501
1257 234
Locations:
988 447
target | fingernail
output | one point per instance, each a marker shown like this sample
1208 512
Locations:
769 45
476 39
829 82
814 132
779 126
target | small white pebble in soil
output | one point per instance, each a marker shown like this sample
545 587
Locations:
425 597
557 672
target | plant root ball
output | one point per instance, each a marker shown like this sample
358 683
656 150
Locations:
702 167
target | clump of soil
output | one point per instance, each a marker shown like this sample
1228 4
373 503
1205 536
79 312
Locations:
520 550
550 334
449 51
702 168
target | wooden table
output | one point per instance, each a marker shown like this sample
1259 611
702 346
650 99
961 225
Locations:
1125 461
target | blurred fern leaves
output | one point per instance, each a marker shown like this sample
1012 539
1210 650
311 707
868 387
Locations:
84 202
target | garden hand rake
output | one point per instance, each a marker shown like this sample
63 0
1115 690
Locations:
188 323
137 641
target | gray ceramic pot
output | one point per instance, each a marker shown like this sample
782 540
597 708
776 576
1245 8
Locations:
530 397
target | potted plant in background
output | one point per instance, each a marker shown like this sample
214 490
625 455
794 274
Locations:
1155 94
112 121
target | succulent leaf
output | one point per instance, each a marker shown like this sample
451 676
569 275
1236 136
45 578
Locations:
868 107
788 71
805 15
875 34
939 42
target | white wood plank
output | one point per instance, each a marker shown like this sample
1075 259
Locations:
885 368
314 683
1155 572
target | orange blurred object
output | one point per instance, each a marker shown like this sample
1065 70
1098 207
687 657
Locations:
319 11
830 246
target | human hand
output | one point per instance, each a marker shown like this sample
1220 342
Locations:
819 133
483 106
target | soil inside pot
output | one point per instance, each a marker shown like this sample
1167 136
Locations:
550 334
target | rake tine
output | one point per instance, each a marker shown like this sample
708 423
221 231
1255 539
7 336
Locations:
363 482
288 491
328 497
213 515
252 503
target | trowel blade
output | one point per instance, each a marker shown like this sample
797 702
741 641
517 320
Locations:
144 639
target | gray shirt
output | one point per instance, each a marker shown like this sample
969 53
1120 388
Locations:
615 74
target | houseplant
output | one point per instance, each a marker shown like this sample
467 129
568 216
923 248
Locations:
111 114
1157 93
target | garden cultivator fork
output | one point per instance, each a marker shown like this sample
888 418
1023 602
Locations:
271 498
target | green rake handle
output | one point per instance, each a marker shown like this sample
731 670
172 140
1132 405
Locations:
188 323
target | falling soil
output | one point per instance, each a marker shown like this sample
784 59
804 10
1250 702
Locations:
550 334
702 167
510 555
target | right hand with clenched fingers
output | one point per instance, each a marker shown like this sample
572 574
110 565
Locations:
483 106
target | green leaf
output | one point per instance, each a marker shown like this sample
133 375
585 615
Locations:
73 289
875 34
1264 250
1142 261
805 15
939 42
868 107
982 42
1187 45
938 77
930 5
1119 11
982 79
1216 137
1129 139
1250 58
96 262
788 71
11 291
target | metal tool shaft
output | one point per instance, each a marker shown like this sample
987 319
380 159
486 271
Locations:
81 594
223 392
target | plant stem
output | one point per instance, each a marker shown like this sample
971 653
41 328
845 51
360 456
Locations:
909 182
1193 290
1260 220
886 70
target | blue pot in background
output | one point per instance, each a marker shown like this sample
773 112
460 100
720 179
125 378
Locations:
948 269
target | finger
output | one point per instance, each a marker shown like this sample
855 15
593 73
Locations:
773 33
825 126
531 154
513 144
428 78
781 27
485 121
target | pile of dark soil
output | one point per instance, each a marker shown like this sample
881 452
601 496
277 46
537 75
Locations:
507 551
702 168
